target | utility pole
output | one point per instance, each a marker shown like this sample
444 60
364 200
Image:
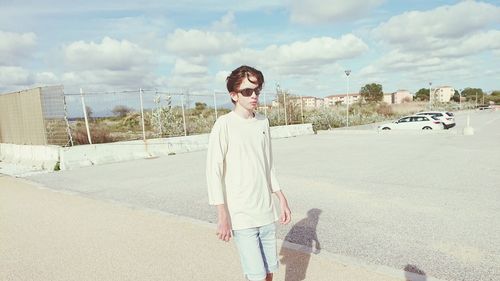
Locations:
430 95
347 73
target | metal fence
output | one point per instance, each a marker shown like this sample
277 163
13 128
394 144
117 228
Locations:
35 117
101 117
49 115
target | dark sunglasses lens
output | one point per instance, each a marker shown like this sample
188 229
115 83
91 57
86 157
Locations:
249 92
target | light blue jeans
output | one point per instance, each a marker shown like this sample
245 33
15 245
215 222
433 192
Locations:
258 250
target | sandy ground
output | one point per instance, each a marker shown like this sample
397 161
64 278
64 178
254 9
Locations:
47 235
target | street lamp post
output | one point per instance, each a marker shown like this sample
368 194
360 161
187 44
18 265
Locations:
460 98
430 95
347 73
278 92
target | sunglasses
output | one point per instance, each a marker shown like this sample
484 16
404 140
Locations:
248 92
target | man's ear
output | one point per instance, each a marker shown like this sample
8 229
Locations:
234 96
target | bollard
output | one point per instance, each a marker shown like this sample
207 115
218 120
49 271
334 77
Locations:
468 130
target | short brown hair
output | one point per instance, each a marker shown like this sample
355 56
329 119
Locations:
234 80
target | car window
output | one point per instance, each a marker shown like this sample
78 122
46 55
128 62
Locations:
435 118
439 114
449 113
418 119
402 120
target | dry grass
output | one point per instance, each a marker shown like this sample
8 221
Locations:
408 108
98 133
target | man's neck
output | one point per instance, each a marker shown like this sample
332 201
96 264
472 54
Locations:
244 113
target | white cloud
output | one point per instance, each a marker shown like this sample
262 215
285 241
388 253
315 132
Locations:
188 75
108 65
103 79
45 78
196 42
221 76
475 43
301 57
15 47
446 22
323 11
437 44
183 67
14 76
110 54
225 23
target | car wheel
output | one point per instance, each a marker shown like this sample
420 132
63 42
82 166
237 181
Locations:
386 128
426 128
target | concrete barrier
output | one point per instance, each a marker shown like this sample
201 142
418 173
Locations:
97 154
291 130
43 157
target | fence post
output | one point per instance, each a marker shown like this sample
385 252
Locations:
215 106
68 128
183 115
159 111
301 109
284 104
265 104
142 116
85 116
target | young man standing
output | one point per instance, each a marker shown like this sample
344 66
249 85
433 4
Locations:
241 177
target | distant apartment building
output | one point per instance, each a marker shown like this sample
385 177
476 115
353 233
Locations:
400 96
442 94
342 99
308 102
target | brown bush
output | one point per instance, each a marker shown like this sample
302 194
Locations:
384 109
97 133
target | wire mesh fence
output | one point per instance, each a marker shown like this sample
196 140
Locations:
145 114
48 115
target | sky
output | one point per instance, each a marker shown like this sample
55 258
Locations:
304 46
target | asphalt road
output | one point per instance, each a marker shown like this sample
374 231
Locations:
425 201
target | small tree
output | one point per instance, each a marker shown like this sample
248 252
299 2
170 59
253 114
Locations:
372 92
292 105
89 111
422 95
494 97
121 110
471 94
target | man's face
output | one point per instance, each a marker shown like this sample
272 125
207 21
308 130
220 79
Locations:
250 102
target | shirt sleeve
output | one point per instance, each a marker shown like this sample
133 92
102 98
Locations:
275 186
217 148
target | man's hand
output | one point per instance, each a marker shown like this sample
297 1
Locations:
223 225
285 214
224 230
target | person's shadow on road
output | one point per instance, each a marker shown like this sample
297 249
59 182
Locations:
303 233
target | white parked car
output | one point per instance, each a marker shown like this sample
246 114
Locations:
414 122
447 118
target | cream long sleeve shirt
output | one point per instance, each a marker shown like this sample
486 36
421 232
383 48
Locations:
240 170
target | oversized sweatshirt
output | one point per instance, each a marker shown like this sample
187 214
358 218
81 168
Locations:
240 170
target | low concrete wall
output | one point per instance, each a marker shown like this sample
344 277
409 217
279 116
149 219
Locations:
37 156
291 131
97 154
